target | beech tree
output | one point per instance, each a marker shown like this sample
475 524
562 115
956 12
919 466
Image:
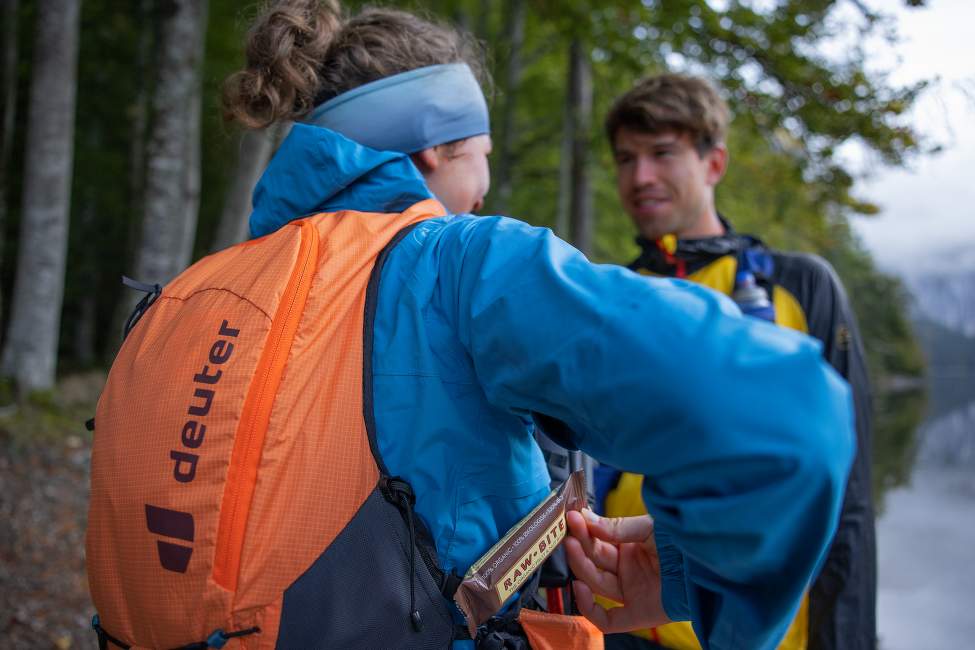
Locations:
30 350
172 189
8 106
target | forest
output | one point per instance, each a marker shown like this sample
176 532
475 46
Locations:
116 159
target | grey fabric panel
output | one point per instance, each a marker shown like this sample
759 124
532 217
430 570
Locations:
357 594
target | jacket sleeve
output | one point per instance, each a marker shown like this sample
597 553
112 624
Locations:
843 598
744 434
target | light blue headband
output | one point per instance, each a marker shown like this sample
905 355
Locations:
410 111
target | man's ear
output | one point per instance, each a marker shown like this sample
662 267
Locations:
717 163
426 160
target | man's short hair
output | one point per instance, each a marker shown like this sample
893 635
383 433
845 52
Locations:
672 102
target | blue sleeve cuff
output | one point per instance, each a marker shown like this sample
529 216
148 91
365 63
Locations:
672 584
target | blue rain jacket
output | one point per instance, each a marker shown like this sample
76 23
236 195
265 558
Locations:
744 433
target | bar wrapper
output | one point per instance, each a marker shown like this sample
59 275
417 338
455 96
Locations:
501 571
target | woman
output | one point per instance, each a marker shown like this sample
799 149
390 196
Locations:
505 320
480 328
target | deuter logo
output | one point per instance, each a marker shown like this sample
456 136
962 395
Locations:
194 430
174 524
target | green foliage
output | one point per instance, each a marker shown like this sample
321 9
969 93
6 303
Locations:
8 391
793 109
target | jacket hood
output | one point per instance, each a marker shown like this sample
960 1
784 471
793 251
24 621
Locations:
318 170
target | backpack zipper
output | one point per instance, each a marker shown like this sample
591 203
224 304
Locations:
249 439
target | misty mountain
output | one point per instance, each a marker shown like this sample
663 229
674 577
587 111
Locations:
946 298
950 371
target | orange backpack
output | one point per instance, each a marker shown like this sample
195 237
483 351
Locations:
235 494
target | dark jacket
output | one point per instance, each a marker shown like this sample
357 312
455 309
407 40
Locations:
842 600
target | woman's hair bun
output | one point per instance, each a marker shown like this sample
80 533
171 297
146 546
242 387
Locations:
285 49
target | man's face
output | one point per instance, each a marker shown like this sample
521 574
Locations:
665 185
461 177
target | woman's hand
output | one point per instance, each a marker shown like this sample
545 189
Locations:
615 558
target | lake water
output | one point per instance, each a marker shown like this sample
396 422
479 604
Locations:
926 531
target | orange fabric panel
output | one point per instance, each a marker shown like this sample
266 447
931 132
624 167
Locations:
142 417
317 468
559 632
251 430
199 348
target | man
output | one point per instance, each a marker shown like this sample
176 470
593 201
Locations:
668 140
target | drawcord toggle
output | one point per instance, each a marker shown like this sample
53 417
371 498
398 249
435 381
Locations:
219 638
407 498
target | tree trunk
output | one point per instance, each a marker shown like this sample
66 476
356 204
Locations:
565 170
575 193
30 352
515 29
172 156
84 266
8 106
191 171
580 111
254 152
144 71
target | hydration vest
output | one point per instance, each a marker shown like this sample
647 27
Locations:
237 492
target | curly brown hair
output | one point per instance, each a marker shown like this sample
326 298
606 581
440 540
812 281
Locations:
304 52
672 102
